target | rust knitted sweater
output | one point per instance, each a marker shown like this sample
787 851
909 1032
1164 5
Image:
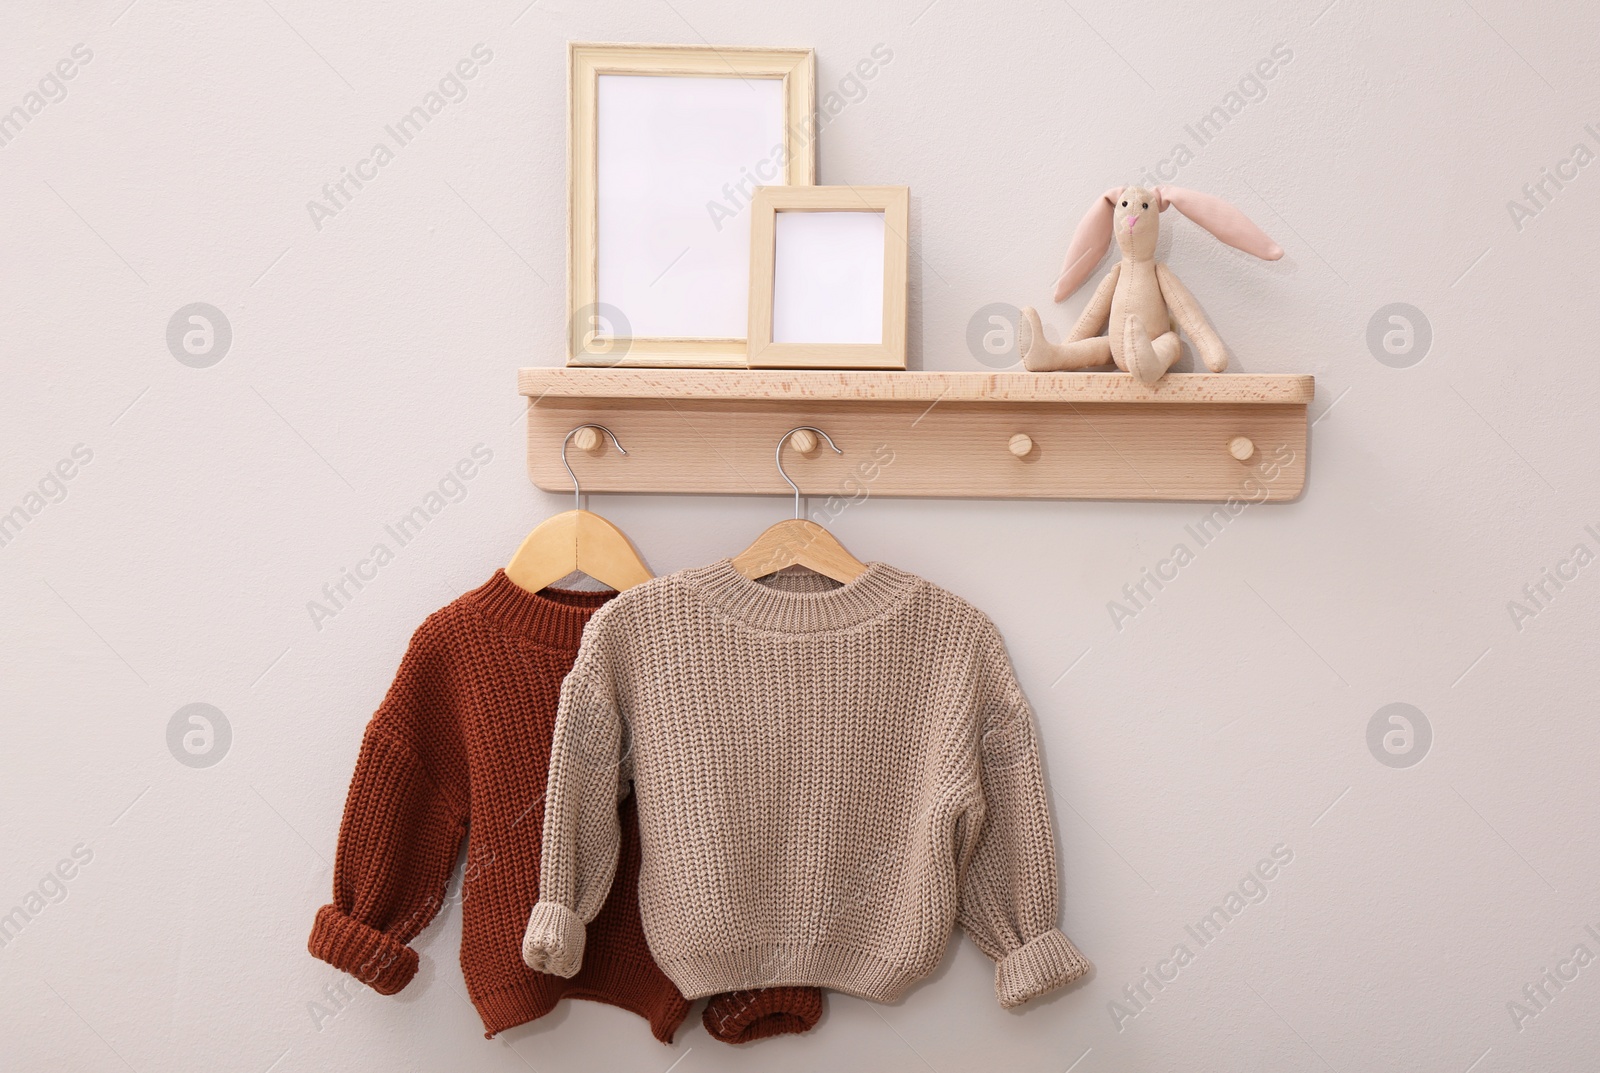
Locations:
464 735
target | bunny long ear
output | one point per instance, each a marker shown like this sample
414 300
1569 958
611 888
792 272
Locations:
1089 243
1227 223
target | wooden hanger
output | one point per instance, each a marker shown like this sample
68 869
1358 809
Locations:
576 540
798 541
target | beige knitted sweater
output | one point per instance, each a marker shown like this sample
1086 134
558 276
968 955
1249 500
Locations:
828 779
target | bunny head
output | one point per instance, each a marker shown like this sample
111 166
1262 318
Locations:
1132 214
1136 221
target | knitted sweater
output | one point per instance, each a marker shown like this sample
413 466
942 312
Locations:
828 779
464 734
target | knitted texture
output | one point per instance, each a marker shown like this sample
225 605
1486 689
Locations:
464 733
828 778
746 1016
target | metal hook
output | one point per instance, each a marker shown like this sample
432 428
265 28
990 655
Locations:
577 500
778 458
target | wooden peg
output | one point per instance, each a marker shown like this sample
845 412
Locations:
1020 445
586 439
804 441
1241 448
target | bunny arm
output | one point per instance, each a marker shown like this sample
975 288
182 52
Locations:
1097 314
1192 319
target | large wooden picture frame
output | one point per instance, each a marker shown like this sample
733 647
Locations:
829 293
666 282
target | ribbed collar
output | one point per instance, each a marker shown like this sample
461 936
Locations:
551 617
794 603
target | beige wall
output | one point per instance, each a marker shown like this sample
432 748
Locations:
1229 715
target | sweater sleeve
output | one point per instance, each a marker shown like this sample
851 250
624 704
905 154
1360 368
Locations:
1009 893
404 819
589 774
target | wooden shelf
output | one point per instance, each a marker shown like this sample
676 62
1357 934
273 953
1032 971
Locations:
880 386
1093 435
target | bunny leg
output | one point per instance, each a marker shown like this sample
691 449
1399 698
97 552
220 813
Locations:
1039 355
1168 349
1148 359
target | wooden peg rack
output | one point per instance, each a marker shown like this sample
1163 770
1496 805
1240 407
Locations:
1007 435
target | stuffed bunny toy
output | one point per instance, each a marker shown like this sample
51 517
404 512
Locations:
1140 304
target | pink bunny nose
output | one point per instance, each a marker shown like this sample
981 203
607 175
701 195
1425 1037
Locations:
1131 221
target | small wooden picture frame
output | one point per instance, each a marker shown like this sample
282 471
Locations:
666 146
828 277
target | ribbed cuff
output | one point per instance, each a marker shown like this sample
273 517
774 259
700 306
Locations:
743 1016
364 952
1040 965
553 942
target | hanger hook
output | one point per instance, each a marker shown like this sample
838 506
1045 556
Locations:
577 501
778 457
